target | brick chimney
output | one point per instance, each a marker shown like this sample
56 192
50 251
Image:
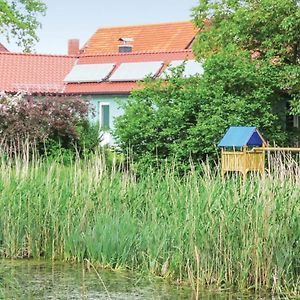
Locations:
73 47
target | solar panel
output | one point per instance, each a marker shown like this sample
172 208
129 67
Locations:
136 71
89 73
192 68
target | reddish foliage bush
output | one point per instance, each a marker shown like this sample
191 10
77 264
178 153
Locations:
37 119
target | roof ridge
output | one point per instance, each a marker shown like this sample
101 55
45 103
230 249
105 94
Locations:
38 54
145 24
136 53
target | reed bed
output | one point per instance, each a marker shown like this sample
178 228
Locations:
194 228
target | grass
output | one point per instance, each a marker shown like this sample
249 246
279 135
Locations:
196 228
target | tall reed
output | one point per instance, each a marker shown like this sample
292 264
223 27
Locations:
196 228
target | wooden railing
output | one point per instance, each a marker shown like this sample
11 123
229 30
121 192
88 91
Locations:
243 161
248 160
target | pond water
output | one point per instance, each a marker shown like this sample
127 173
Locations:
27 279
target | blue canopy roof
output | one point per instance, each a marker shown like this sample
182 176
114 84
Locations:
239 136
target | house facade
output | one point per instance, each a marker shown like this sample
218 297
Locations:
130 53
106 69
125 71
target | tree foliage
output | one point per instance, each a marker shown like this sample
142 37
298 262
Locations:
271 26
184 118
269 29
19 20
251 78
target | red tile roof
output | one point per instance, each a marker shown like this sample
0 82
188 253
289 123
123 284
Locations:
3 49
34 73
136 57
152 37
121 87
45 73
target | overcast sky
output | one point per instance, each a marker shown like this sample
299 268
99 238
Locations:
67 19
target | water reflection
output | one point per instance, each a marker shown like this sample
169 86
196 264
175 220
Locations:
43 280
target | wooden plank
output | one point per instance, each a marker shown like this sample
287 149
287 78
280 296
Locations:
283 149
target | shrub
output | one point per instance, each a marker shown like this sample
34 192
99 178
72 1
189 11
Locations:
54 122
88 137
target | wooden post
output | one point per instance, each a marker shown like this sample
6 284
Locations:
264 161
244 164
222 164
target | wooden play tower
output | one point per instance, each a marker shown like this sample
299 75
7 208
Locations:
243 150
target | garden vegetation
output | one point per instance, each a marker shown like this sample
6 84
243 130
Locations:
167 213
183 119
49 125
197 228
250 52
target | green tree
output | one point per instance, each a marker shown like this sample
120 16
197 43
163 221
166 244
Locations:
184 118
251 77
269 29
19 20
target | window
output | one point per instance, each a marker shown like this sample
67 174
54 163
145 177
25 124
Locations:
104 116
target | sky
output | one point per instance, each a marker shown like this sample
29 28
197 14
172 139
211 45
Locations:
66 19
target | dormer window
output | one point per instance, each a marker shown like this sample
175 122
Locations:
125 47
